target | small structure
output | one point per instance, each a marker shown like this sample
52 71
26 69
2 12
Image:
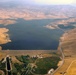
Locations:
37 56
51 71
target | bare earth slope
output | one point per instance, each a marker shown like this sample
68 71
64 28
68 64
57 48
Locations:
69 49
4 37
69 42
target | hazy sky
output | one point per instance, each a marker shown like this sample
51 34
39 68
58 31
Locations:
55 1
44 1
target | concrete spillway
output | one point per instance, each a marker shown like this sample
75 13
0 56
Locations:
8 66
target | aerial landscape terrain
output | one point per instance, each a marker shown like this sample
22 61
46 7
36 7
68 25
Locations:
37 37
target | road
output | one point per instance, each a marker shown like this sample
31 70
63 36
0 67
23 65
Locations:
54 73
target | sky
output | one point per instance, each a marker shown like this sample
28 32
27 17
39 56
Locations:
49 2
55 1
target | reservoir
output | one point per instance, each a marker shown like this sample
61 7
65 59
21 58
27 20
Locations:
32 35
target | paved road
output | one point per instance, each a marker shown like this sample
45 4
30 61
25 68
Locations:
54 73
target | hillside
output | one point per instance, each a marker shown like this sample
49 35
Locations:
69 42
30 12
4 37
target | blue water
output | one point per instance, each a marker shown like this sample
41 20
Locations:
32 35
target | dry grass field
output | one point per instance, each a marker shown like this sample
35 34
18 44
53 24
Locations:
71 69
65 66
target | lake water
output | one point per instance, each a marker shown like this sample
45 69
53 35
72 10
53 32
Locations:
32 35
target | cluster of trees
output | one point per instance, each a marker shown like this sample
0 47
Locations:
43 65
3 66
25 68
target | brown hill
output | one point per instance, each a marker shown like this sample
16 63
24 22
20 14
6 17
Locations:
69 42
